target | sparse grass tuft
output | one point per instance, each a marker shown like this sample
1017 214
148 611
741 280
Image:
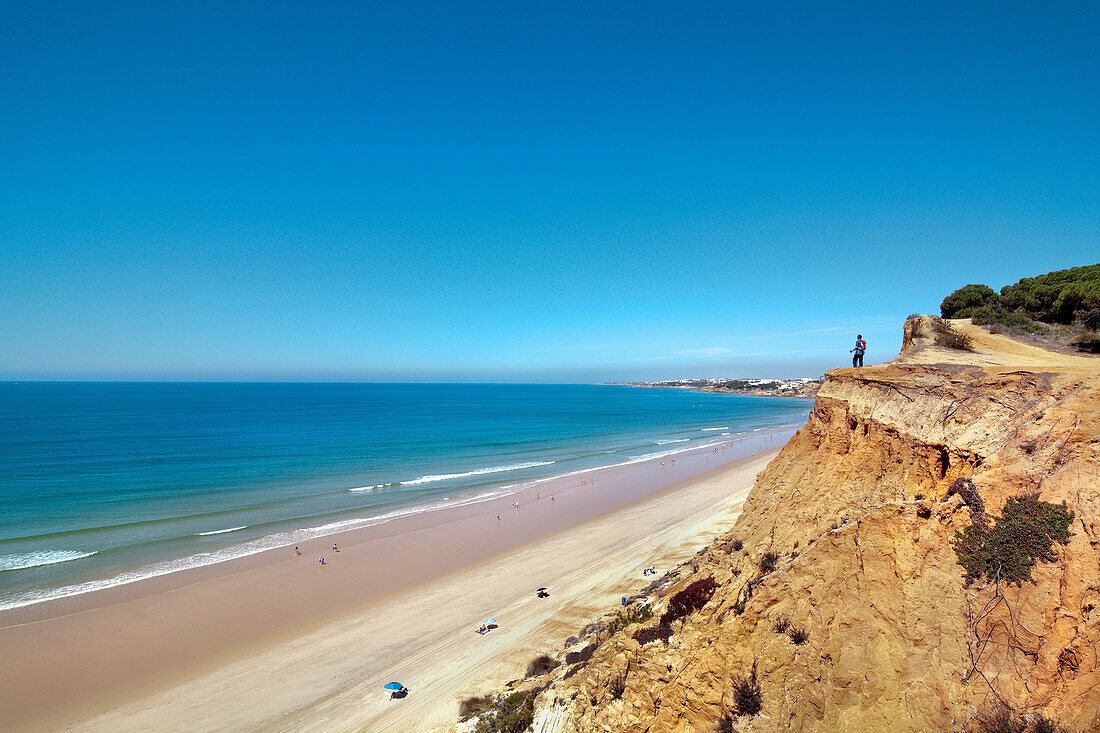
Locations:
472 706
746 694
1043 724
725 724
768 561
618 686
542 664
1001 720
737 545
781 624
955 340
798 635
1024 534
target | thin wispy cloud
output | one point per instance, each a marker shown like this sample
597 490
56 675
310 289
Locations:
711 351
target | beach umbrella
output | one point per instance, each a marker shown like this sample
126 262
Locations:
394 686
490 621
541 589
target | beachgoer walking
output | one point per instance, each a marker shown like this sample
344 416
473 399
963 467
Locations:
335 548
857 351
297 551
321 560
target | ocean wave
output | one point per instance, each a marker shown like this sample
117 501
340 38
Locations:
369 488
666 442
432 478
221 531
289 538
21 560
725 428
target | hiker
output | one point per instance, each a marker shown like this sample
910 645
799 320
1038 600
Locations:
857 351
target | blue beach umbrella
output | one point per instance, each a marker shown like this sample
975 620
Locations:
490 621
394 686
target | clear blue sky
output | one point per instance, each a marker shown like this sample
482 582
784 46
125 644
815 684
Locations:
520 191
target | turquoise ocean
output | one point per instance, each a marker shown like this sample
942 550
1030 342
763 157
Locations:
106 483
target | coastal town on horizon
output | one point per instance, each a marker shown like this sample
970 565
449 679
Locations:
804 387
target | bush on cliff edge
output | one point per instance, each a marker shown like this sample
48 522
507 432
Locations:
1024 534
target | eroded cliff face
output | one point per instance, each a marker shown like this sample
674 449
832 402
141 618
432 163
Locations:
856 506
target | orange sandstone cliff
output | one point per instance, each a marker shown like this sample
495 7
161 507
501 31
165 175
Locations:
857 508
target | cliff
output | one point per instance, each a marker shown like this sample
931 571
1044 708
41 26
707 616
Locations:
858 512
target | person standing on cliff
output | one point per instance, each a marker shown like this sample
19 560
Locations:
857 351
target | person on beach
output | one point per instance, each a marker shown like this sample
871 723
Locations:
857 351
335 548
297 552
321 560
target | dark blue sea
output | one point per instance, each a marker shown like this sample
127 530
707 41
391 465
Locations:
105 483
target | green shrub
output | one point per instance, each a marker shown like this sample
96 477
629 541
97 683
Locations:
1016 320
1088 344
1061 296
1024 534
632 615
963 301
513 713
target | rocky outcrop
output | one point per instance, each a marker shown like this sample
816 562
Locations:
857 513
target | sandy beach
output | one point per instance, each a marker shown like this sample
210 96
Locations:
277 642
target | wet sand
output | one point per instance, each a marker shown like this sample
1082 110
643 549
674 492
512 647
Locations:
277 641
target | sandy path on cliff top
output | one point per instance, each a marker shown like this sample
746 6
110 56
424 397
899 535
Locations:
332 679
993 350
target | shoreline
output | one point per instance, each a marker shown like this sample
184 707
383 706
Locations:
197 619
168 573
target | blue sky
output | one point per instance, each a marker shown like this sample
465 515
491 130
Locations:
501 192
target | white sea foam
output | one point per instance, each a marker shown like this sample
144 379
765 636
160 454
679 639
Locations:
431 478
666 442
725 428
286 539
21 560
369 488
222 531
725 433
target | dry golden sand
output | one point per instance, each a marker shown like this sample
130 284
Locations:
103 667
